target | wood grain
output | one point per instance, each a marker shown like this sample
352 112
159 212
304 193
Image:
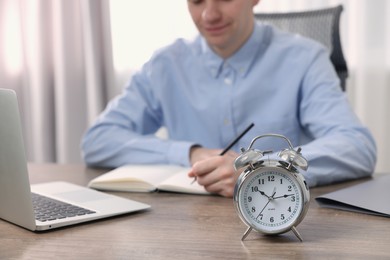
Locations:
180 226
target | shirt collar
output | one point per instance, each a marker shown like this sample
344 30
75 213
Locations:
241 60
212 61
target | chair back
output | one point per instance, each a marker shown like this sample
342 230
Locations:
322 25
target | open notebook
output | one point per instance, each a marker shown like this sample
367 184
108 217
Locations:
20 203
148 178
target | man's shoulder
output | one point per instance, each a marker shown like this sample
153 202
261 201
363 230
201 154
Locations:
179 48
293 41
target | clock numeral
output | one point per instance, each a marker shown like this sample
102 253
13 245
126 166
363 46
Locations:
271 219
253 209
249 199
271 178
292 198
261 216
289 188
289 209
282 216
281 181
255 189
261 181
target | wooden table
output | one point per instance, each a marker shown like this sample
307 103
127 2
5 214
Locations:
180 226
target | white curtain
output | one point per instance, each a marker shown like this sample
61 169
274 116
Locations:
66 59
57 56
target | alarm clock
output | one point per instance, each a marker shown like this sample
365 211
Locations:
271 196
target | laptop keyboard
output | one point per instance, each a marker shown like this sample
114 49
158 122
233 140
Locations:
50 209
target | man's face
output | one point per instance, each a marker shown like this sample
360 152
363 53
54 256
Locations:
225 24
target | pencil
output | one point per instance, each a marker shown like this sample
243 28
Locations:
237 139
233 142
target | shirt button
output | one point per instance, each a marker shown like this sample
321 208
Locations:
228 81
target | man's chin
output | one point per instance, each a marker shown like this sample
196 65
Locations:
216 43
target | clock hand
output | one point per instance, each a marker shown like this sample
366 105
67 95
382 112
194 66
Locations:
263 208
284 196
273 193
263 193
269 199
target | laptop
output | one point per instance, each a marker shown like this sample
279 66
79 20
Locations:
20 201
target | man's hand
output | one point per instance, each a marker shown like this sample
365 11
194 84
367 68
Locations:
213 171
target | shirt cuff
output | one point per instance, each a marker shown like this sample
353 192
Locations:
179 153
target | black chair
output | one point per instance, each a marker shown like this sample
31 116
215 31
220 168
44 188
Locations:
321 25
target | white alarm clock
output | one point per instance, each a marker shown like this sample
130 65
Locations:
270 195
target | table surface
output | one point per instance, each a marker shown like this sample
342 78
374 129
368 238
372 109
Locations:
181 226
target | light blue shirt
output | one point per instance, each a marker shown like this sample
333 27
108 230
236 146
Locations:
282 83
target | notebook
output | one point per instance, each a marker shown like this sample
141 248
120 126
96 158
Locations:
370 197
75 204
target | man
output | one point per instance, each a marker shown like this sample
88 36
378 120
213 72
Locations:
207 90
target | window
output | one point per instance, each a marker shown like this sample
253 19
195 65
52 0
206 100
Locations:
141 27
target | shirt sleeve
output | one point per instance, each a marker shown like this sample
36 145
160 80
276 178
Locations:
341 148
125 132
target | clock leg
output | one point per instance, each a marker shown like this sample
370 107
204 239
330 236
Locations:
297 233
246 233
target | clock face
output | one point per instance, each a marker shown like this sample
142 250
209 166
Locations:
270 200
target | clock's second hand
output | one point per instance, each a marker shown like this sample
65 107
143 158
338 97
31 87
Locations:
263 208
269 199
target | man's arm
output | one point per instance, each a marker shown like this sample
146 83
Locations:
343 148
125 132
